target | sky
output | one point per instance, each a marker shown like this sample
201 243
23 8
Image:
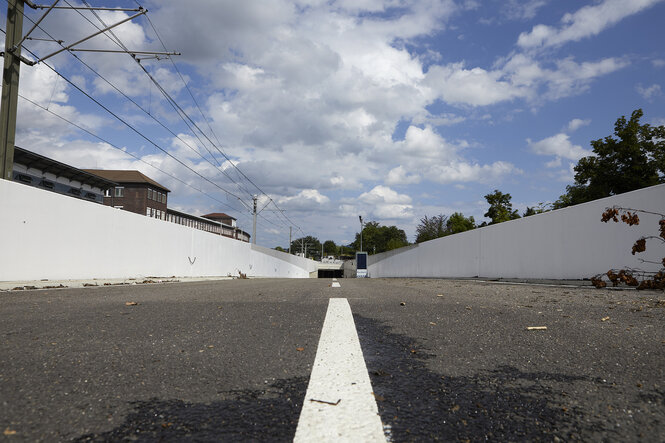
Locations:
332 109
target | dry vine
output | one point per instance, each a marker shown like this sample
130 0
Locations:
634 277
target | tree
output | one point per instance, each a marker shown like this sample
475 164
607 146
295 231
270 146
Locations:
380 238
280 249
459 223
501 209
634 159
329 247
347 250
431 228
441 225
541 208
310 245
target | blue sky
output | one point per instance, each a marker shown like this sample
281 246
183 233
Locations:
390 109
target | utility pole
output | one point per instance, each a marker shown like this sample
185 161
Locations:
12 61
254 229
290 233
10 77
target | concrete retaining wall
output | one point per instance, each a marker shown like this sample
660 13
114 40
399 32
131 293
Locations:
570 243
52 236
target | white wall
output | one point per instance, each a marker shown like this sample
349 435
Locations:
52 236
270 263
570 243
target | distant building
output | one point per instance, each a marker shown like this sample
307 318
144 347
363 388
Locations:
222 218
134 192
42 172
207 224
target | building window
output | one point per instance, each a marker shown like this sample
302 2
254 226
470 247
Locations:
147 212
119 191
23 178
47 184
149 194
107 193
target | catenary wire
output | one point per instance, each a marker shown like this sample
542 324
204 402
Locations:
139 133
218 166
173 103
92 134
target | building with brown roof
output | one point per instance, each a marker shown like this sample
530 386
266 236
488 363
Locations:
138 193
134 192
222 218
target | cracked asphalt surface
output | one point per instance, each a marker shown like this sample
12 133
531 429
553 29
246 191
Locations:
449 360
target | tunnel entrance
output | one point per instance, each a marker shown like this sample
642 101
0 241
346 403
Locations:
331 273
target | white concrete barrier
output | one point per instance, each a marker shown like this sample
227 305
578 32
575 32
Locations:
52 236
569 243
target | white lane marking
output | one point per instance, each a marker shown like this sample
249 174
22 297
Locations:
335 283
339 404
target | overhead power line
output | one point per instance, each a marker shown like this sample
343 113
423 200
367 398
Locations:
189 122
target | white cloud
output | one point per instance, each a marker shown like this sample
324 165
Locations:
385 204
307 197
566 78
577 123
399 176
585 22
476 87
522 10
649 92
558 145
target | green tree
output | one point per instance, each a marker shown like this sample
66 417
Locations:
310 245
431 228
380 238
330 248
280 249
459 223
542 207
634 159
501 209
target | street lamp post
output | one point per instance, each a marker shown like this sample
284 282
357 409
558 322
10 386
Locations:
361 232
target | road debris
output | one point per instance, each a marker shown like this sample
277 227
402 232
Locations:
326 402
604 319
300 349
536 328
131 303
402 304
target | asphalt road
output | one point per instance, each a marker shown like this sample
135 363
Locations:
230 360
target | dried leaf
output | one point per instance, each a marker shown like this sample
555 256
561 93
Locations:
455 408
300 349
9 431
131 303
